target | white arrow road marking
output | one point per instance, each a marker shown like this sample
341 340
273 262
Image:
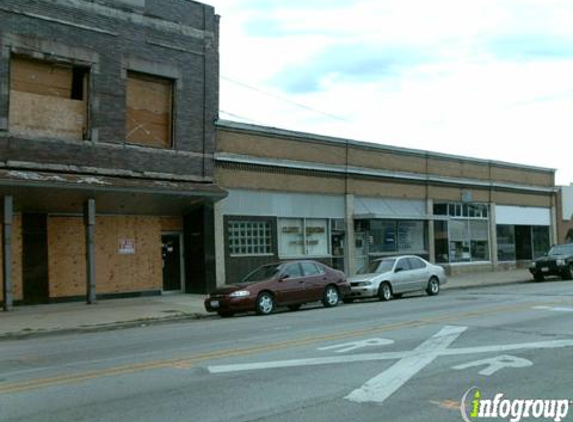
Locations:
410 362
553 308
347 347
385 384
497 363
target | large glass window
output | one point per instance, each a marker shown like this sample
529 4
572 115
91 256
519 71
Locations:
466 232
505 243
250 238
389 236
527 242
303 237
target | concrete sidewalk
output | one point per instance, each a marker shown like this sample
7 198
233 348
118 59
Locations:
35 320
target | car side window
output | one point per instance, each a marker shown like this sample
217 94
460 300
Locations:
310 269
403 264
416 263
293 271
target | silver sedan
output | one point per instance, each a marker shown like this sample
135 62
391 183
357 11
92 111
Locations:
391 277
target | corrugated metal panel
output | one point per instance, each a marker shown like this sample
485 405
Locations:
526 216
389 207
264 203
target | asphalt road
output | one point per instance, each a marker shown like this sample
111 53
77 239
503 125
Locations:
411 359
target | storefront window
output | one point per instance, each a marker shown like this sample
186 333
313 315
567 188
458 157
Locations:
441 241
466 233
391 236
303 237
540 240
291 238
505 243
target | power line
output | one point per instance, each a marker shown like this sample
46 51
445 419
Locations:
278 97
238 116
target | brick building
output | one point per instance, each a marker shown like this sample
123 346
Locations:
344 202
107 135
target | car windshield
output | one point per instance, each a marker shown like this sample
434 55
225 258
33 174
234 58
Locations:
262 273
380 266
562 250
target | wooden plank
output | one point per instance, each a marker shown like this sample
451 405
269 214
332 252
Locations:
66 256
42 78
171 224
149 110
39 115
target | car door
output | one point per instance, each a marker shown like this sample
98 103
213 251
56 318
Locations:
402 276
419 273
290 285
315 278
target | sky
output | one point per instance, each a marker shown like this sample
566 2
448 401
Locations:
490 79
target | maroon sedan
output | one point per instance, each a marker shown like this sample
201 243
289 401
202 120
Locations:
290 284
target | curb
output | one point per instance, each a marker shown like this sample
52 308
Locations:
183 317
111 326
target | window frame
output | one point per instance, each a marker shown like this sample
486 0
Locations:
236 242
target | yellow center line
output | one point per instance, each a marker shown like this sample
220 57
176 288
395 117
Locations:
188 362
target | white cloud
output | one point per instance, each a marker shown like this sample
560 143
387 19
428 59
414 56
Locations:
488 78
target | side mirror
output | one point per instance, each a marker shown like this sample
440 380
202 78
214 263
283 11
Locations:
284 277
399 270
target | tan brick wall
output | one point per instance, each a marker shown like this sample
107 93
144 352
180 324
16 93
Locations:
230 178
522 199
386 189
458 168
383 160
114 272
442 193
16 259
523 177
261 146
258 145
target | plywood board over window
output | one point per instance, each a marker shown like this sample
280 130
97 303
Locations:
149 110
48 99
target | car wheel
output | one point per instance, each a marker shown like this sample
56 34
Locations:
538 277
225 314
265 304
385 292
294 307
330 297
568 274
347 300
433 286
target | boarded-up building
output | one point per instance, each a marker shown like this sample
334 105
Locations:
107 136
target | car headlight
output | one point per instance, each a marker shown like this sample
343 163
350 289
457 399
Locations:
532 265
364 283
560 262
240 293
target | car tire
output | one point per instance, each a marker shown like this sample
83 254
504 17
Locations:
385 292
265 304
538 276
433 286
223 314
568 273
330 297
348 300
294 307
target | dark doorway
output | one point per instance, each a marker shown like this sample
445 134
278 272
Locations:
171 252
35 258
523 249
